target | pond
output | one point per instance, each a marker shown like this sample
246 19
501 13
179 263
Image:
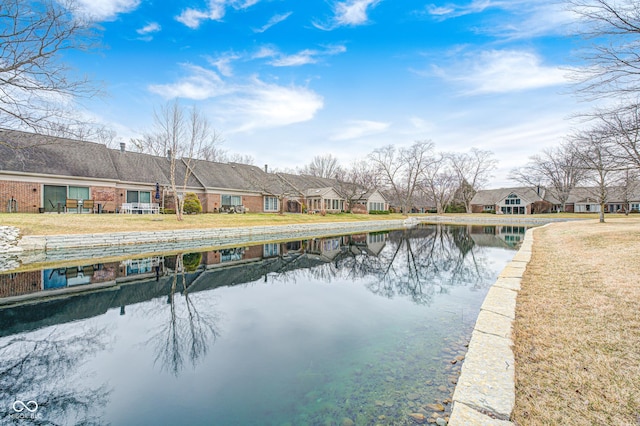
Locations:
361 329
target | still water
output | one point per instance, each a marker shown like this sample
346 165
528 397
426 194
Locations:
361 329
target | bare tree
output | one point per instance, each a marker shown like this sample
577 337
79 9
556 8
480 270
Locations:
629 186
557 169
593 150
324 166
83 131
356 180
622 126
440 182
182 134
613 57
473 169
401 170
35 85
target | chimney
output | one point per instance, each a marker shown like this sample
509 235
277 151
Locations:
168 154
122 145
266 168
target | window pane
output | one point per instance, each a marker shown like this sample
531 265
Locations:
132 196
145 197
79 192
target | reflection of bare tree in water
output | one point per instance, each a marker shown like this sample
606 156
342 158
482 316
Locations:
189 332
415 263
422 261
39 367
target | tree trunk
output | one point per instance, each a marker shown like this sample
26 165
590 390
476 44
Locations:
178 204
601 212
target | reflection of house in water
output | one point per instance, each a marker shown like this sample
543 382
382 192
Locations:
498 236
138 280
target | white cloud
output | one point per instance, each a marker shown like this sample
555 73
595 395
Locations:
223 63
359 128
200 84
276 19
244 106
216 10
349 13
307 56
525 19
152 27
105 10
265 52
501 71
262 105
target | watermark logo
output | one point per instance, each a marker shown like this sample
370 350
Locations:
20 406
25 410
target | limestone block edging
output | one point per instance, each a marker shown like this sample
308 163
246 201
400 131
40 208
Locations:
485 393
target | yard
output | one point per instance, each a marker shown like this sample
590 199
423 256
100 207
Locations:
577 327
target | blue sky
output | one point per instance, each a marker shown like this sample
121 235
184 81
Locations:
286 80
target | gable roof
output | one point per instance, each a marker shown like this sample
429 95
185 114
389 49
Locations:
231 176
32 153
494 196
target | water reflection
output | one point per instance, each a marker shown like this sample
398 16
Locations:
306 331
40 367
189 331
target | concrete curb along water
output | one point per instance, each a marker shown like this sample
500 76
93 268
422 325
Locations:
485 393
221 236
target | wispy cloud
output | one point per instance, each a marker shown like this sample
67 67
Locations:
527 18
150 28
307 56
199 84
501 71
223 63
105 10
262 105
215 11
359 128
348 13
276 19
244 106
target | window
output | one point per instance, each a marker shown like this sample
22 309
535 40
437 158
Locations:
376 206
79 192
270 204
488 208
138 196
635 206
231 200
271 250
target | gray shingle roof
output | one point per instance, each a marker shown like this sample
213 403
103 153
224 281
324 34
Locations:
231 176
31 153
493 196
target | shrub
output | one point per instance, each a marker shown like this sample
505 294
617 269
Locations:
191 261
192 203
379 212
167 211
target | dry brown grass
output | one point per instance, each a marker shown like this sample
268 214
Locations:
58 224
577 327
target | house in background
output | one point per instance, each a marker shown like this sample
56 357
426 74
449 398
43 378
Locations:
528 200
518 200
49 174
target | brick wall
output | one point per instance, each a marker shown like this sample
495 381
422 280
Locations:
253 203
105 196
20 283
27 195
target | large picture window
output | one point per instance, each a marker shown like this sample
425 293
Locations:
79 193
231 200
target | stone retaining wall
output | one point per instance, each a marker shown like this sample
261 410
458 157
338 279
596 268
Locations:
485 393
